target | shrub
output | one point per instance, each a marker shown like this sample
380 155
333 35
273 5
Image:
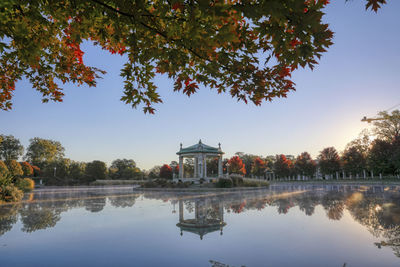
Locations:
164 183
3 168
25 184
14 168
36 171
27 168
224 183
10 193
249 183
237 180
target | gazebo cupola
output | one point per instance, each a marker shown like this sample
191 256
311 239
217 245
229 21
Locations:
200 152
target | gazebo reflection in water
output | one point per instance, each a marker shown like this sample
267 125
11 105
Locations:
208 217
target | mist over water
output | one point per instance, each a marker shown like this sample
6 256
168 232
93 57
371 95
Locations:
285 225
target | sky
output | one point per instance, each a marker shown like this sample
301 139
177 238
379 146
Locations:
357 77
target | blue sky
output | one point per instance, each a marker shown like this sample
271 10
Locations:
356 77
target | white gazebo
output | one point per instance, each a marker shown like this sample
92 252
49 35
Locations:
200 152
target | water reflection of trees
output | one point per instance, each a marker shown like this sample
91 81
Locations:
44 209
375 207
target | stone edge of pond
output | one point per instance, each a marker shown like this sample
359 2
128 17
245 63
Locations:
205 189
352 182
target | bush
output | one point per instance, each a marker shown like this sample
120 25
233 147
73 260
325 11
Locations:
36 171
10 193
14 168
224 183
248 183
27 168
237 180
3 168
25 184
164 183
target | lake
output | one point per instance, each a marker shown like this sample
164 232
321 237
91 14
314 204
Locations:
285 225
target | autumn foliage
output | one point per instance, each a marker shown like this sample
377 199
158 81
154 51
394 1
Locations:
283 167
258 167
27 168
166 171
215 44
236 165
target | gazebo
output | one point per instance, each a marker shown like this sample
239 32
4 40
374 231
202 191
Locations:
208 217
200 152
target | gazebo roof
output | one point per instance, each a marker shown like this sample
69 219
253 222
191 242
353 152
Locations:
200 148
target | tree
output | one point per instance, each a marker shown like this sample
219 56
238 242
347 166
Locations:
36 171
120 166
379 158
389 127
57 168
14 168
395 158
27 168
362 143
96 170
188 167
10 148
43 150
305 165
77 170
353 160
175 168
212 166
247 159
282 166
258 167
131 173
166 171
329 161
235 165
41 41
154 172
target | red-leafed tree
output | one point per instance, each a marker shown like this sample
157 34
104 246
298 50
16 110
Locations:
282 166
236 165
166 171
258 167
305 165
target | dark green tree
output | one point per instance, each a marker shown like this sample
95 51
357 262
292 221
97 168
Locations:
353 160
329 161
10 148
96 170
388 127
305 165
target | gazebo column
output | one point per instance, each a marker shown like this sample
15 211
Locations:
196 167
180 210
220 174
205 166
180 167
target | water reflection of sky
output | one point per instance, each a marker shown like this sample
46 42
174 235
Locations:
283 226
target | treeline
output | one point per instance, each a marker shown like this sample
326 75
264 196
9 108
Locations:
374 153
45 159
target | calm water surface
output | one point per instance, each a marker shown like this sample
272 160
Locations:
331 225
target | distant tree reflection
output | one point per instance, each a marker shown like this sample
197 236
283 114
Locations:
375 207
8 217
37 218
